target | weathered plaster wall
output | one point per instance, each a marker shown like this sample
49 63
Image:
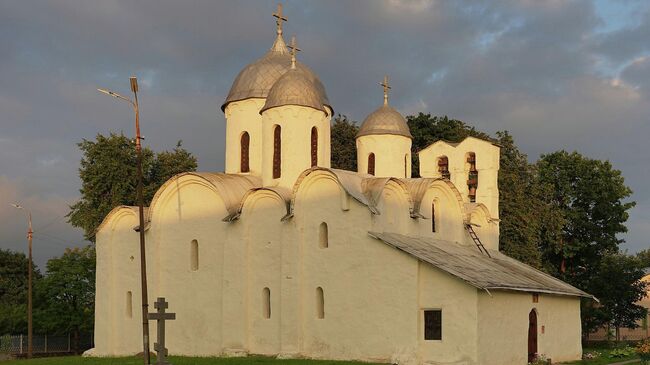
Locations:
296 123
503 327
392 155
243 116
487 164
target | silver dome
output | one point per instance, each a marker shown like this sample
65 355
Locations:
256 79
385 120
296 87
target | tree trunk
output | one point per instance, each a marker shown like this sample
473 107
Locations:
618 334
76 341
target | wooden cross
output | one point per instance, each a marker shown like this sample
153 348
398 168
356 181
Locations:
386 88
161 317
294 49
280 17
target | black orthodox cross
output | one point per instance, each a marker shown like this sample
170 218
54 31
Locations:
280 17
161 317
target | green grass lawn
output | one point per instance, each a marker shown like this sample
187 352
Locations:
604 358
251 360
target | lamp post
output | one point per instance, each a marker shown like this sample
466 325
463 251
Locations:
29 280
143 260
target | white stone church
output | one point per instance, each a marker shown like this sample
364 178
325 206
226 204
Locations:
283 255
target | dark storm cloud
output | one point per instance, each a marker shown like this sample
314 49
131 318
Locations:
544 70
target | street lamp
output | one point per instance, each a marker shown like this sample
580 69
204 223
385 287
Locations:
143 261
29 280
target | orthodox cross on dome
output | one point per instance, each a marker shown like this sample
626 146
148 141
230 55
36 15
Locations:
386 88
294 49
280 18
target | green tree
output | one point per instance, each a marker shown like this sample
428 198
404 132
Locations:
343 143
617 284
68 292
13 291
644 256
591 198
427 129
108 177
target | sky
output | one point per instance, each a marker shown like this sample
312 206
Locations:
571 75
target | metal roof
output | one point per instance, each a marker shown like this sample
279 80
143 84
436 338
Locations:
385 120
498 272
256 79
295 87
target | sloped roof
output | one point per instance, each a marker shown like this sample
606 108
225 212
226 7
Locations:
467 263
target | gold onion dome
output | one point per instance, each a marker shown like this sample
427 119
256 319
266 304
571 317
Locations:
385 120
256 79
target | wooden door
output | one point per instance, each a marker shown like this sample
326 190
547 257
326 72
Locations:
532 336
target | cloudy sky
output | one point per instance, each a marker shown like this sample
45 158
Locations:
557 74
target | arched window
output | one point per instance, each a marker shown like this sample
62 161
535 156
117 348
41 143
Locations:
433 216
472 177
245 142
406 165
129 304
323 239
194 255
314 147
277 152
266 302
371 164
320 303
443 167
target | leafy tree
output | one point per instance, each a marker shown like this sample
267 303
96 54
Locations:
617 284
68 292
426 129
590 196
13 291
343 142
109 178
644 256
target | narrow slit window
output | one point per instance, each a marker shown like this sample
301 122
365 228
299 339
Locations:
433 216
406 165
371 164
323 235
277 152
433 324
314 146
266 299
320 303
194 255
245 143
129 304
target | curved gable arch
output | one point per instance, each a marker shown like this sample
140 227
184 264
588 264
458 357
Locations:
313 176
115 215
251 198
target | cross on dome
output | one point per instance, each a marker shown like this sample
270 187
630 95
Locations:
280 18
294 49
386 88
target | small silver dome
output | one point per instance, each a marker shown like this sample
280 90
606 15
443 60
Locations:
296 87
256 79
385 120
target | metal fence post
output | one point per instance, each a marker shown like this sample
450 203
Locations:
45 343
21 344
68 341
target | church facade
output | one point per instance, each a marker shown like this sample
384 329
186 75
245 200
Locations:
283 255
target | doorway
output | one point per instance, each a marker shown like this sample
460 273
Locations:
532 335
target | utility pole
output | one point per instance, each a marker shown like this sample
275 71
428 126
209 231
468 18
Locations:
143 259
30 334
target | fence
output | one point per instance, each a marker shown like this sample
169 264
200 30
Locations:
43 344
